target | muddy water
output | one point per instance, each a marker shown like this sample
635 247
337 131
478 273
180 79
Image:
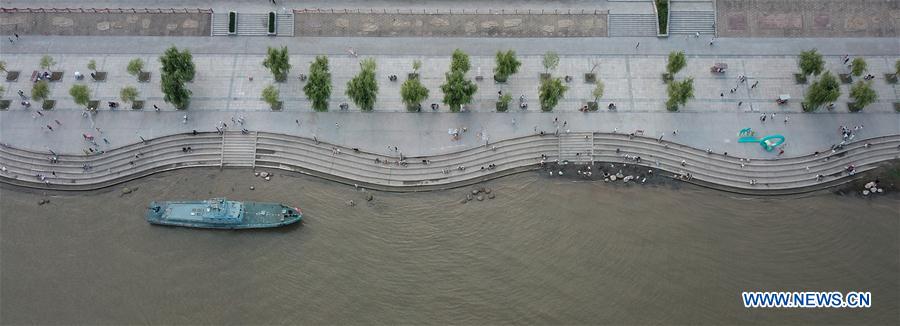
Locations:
545 251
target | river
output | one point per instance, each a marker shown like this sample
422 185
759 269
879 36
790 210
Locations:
545 251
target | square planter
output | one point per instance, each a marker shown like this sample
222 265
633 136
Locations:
137 105
12 76
897 107
846 78
590 78
99 76
545 76
56 75
593 106
232 23
48 104
500 81
272 29
414 108
667 77
4 105
277 106
93 104
800 79
891 78
501 107
412 75
144 76
852 107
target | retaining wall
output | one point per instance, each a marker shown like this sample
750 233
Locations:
106 22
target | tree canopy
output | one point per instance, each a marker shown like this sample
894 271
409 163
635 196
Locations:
551 91
80 94
128 94
363 89
679 93
318 88
459 61
135 66
825 90
550 61
811 62
457 90
177 62
507 65
677 61
858 66
413 93
278 63
863 94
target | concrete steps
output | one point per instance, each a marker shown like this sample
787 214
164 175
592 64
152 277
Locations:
692 22
576 147
632 25
238 149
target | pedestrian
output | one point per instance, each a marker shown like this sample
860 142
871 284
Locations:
105 140
660 139
780 151
675 132
58 123
50 127
337 125
22 94
17 36
754 84
785 119
10 40
773 116
185 119
722 94
733 90
155 107
638 44
565 123
232 119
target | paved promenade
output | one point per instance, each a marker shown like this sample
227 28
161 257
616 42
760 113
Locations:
631 74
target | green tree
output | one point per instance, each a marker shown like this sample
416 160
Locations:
3 65
128 94
862 94
825 90
417 64
598 91
897 68
318 89
175 91
363 89
92 65
2 91
135 66
551 61
507 64
271 95
460 61
40 90
503 103
679 93
457 90
677 61
177 62
858 66
47 62
551 91
811 63
81 94
277 62
413 93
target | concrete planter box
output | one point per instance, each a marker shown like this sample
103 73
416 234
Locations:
137 105
846 78
12 76
93 104
48 104
272 29
590 78
891 78
99 76
232 23
144 76
4 105
56 76
800 79
277 106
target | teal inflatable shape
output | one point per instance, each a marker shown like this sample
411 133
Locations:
771 141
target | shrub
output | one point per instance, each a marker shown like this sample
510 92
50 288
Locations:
457 90
858 66
81 94
363 89
174 90
863 94
177 62
318 89
232 22
459 61
40 90
413 93
92 65
507 64
503 103
135 66
277 62
47 62
598 91
550 61
551 91
271 22
128 94
271 95
417 64
679 93
811 62
677 61
825 90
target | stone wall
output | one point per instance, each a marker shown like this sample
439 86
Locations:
99 23
808 18
308 23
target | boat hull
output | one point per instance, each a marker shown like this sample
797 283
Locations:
222 214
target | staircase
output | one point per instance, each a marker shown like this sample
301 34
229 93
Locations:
632 24
285 23
220 24
252 24
576 147
238 149
692 22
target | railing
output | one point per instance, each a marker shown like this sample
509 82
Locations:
107 10
451 11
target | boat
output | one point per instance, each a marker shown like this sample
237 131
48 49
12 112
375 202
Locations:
219 213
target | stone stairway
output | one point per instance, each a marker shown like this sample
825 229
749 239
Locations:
220 24
285 23
632 24
692 22
238 149
576 147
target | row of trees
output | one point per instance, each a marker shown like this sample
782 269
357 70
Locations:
679 91
826 88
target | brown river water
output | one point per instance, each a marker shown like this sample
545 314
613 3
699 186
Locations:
545 251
